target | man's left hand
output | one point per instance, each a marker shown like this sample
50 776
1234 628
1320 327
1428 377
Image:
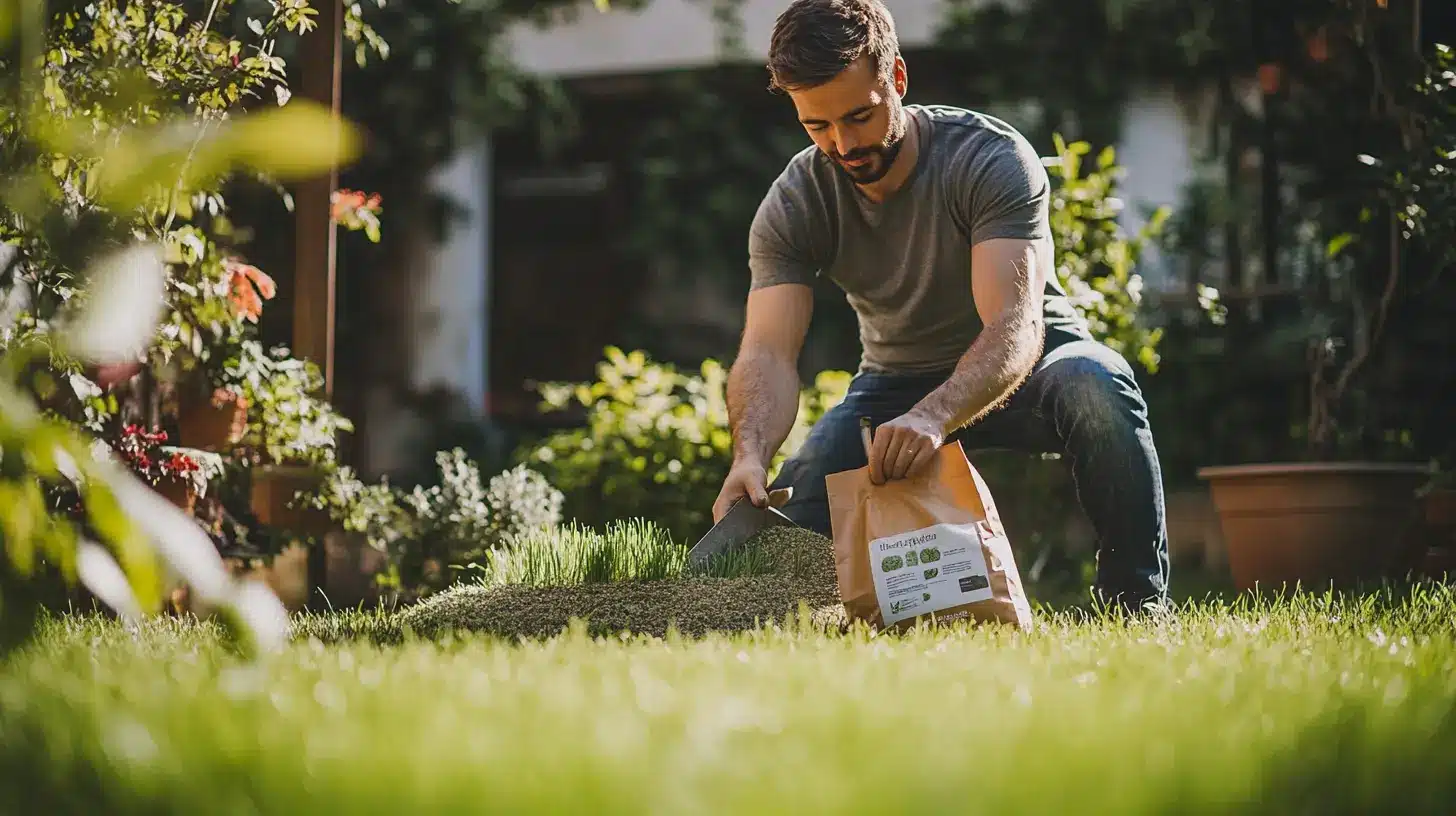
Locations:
904 446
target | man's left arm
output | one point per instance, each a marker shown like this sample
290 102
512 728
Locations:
1007 278
1001 197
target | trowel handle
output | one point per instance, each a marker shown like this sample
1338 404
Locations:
778 498
865 436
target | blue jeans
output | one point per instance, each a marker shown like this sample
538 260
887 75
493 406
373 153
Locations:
1082 401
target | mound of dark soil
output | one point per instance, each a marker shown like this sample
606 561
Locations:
803 572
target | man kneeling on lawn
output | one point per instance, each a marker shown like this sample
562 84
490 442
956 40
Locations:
933 221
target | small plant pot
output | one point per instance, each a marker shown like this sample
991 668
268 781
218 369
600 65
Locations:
1439 510
274 488
212 423
1439 507
1319 524
179 493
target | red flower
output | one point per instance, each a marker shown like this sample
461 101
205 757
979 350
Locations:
180 464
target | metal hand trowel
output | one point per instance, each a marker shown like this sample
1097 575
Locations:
742 522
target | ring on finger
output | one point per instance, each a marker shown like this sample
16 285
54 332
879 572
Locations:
907 456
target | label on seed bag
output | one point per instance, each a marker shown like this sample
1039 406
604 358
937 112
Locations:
928 570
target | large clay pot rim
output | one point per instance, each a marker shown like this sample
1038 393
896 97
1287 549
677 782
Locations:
1288 468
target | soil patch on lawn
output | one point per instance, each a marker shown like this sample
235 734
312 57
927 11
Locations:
803 571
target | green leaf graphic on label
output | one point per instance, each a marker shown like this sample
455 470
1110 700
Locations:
892 563
932 572
925 595
929 555
910 559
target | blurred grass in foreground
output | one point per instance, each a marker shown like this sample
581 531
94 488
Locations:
1316 705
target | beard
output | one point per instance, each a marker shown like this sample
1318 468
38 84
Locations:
881 157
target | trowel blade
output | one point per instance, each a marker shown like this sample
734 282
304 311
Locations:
742 522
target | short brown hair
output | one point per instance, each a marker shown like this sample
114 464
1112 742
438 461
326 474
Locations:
814 40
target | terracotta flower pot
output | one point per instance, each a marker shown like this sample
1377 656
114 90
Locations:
1319 524
179 493
212 423
274 487
1440 509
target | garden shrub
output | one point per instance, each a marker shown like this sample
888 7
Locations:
520 501
288 423
465 514
431 533
656 442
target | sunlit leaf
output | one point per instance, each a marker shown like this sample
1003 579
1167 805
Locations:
113 524
19 523
298 140
100 574
1338 244
183 546
258 619
125 301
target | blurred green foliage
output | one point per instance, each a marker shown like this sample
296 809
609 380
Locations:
119 122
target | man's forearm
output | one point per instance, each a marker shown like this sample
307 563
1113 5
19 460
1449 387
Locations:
996 364
763 401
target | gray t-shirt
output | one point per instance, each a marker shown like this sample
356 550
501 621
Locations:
905 264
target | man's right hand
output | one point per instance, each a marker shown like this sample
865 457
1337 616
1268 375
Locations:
747 478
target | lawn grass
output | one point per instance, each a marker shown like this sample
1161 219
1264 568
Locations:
1316 705
630 550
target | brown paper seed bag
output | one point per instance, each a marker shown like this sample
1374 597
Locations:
929 546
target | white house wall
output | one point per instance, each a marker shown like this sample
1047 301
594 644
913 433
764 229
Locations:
450 333
1158 148
671 34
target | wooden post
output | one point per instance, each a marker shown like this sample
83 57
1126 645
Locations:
316 241
316 245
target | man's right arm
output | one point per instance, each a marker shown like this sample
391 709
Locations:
763 385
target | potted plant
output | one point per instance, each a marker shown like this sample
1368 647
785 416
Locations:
291 438
212 409
368 521
1346 513
211 416
179 475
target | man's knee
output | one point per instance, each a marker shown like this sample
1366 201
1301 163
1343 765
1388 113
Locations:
1093 395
